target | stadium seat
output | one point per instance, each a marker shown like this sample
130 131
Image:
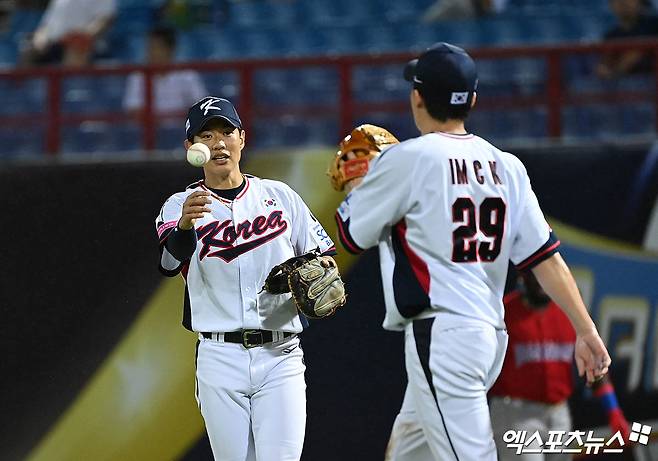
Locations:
22 22
169 137
262 42
88 95
208 43
8 53
380 83
256 14
336 12
22 97
102 137
224 84
401 124
292 130
604 122
23 142
506 125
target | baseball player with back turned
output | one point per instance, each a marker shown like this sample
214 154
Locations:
448 211
224 234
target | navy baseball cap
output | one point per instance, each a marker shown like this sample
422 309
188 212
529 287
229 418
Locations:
445 73
206 109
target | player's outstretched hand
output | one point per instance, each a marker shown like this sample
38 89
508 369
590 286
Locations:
193 209
592 357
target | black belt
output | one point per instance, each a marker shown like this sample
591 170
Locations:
248 338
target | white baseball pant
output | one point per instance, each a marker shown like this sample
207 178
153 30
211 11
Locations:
451 364
253 401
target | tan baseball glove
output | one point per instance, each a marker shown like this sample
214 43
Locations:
314 282
366 142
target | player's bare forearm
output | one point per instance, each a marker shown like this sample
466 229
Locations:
555 278
592 358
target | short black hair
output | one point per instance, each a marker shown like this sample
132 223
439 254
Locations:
441 111
166 34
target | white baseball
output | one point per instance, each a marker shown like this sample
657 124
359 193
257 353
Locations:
198 154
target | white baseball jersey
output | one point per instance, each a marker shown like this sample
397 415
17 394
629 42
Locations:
238 243
449 212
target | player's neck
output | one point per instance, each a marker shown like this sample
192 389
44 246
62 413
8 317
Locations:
231 181
451 126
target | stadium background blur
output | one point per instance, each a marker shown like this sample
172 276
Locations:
95 362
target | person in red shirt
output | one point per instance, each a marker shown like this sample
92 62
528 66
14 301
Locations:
536 381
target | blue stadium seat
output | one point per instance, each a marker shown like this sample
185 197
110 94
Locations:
8 53
87 95
224 84
124 137
271 86
375 39
100 137
416 37
87 138
504 125
24 142
333 40
169 137
377 83
293 130
22 22
263 42
604 122
511 76
499 31
208 43
593 84
335 12
464 33
129 48
22 97
136 18
296 87
250 14
544 7
401 124
402 12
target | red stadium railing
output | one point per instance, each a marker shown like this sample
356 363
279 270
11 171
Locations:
554 95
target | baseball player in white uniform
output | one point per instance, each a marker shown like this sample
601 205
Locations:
448 211
223 234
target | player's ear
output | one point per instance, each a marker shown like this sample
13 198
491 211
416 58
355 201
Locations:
242 139
187 144
417 99
475 97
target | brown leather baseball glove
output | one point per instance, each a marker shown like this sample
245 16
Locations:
366 142
316 288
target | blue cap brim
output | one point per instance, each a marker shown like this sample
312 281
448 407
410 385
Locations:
232 121
410 70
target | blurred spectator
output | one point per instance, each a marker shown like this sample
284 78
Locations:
444 10
633 20
173 90
69 32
